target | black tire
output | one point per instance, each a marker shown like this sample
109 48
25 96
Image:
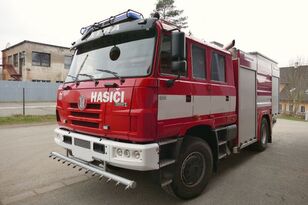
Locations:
193 168
261 145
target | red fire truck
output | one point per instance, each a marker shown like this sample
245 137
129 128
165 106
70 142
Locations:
142 95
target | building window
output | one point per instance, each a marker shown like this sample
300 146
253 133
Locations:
22 56
198 62
218 67
290 108
59 81
67 61
15 60
302 108
10 60
41 59
280 108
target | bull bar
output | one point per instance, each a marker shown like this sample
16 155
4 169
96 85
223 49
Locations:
96 170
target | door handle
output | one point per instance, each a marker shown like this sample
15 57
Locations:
188 98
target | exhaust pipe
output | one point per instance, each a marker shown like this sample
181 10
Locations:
230 45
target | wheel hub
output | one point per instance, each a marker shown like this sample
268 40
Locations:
193 169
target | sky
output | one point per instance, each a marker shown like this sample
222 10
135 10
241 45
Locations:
275 28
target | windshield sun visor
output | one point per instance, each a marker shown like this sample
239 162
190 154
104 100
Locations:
118 30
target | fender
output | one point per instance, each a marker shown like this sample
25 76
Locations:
188 126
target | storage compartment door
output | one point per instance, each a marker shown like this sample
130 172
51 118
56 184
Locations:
275 95
247 106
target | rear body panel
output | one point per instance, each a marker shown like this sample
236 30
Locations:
254 76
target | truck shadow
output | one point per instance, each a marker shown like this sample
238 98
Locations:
148 187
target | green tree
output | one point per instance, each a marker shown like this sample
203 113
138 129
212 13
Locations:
168 11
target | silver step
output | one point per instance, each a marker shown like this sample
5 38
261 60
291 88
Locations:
94 170
167 142
165 183
166 162
222 155
222 142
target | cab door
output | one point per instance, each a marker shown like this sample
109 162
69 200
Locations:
223 93
200 83
175 103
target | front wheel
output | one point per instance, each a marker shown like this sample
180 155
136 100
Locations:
193 168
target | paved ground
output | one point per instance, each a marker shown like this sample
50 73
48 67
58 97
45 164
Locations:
31 108
277 176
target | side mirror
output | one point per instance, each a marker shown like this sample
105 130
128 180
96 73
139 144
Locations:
178 52
178 46
179 66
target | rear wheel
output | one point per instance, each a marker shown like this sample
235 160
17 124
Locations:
264 135
193 168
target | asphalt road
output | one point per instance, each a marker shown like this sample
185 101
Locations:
277 176
31 108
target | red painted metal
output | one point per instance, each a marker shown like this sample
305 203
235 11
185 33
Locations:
137 121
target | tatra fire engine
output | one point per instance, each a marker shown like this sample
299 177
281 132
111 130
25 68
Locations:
142 95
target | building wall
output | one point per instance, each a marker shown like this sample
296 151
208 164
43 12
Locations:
284 107
55 72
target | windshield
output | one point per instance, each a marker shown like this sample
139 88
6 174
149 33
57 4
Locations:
126 59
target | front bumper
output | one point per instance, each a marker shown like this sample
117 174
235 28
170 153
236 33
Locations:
141 157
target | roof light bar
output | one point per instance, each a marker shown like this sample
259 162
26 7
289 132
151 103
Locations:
128 15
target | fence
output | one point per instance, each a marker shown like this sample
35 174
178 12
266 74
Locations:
35 98
12 91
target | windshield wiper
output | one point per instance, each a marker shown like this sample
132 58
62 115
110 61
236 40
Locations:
89 76
81 66
115 74
71 76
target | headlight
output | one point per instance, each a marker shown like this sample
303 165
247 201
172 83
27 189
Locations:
137 154
127 153
119 152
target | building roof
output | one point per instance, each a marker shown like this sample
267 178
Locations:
284 95
284 79
285 71
33 42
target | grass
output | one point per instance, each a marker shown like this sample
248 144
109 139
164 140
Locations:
291 117
28 119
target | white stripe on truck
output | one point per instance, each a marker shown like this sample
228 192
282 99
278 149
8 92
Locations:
175 106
